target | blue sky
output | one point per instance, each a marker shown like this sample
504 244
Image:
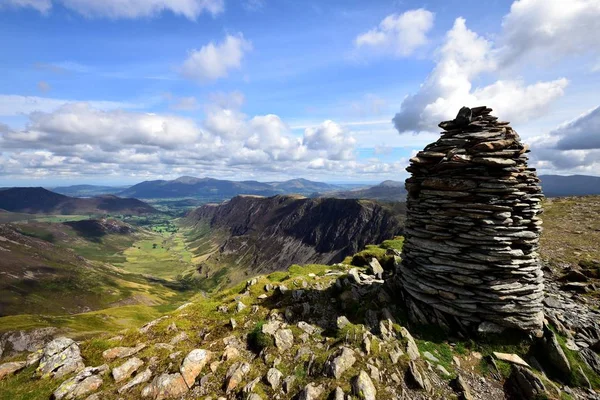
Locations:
107 91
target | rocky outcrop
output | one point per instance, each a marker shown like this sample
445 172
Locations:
268 234
472 230
15 342
82 384
61 357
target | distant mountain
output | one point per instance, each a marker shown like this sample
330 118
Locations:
574 185
37 200
216 190
87 190
250 234
385 191
303 186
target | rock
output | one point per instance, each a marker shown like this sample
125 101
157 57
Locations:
140 378
306 327
288 384
363 387
338 394
511 358
180 337
592 359
411 346
417 377
442 370
240 306
15 342
125 370
166 386
122 352
193 364
230 353
375 268
342 322
61 357
254 396
525 383
146 328
551 351
310 392
284 339
85 382
274 377
235 375
462 388
342 361
11 368
430 357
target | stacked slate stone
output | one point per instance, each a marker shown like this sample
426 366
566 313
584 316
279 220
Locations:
472 230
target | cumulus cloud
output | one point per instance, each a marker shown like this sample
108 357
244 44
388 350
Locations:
13 105
215 60
79 139
556 27
116 9
398 34
464 57
189 103
583 133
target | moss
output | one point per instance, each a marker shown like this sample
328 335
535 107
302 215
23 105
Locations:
257 340
396 243
442 351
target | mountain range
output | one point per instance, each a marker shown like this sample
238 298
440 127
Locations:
37 200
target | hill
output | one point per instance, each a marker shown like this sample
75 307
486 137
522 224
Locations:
249 235
42 201
87 190
385 191
574 185
216 190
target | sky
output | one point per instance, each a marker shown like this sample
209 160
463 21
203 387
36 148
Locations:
121 91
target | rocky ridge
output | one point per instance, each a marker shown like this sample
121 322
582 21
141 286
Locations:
471 239
318 333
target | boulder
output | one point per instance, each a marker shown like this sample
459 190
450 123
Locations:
342 361
551 351
61 357
166 386
84 383
284 339
525 383
375 268
235 375
125 370
122 352
310 392
273 377
140 378
193 364
14 342
363 387
11 368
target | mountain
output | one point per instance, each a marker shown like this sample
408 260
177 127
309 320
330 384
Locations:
574 185
42 201
217 190
303 186
87 190
250 234
385 191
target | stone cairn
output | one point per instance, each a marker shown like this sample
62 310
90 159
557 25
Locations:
471 239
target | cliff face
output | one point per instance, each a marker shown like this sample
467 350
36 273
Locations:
267 234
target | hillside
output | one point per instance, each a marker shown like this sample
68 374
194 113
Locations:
216 190
42 201
321 332
87 190
385 191
250 235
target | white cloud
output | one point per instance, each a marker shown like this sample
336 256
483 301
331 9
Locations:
128 8
214 61
400 34
13 105
42 6
185 104
332 139
550 28
583 133
464 57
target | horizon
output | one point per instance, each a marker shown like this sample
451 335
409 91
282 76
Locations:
250 90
